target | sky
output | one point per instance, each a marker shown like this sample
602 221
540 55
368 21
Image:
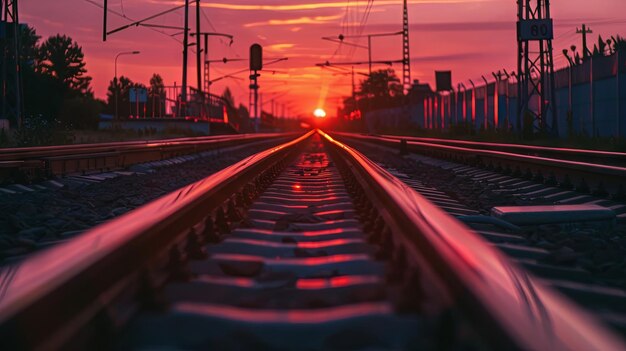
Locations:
470 37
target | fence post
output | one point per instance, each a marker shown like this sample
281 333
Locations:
591 102
619 107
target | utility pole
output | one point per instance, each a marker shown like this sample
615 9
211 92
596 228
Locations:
205 37
353 87
207 71
104 20
586 30
183 96
10 72
406 56
201 108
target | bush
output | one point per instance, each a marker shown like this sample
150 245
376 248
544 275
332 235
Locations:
38 131
81 112
4 138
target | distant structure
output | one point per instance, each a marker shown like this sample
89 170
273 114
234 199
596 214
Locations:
535 68
11 104
406 55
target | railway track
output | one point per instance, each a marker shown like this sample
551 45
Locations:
308 245
583 155
573 241
599 173
34 163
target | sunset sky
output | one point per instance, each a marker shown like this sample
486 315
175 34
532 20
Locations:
470 37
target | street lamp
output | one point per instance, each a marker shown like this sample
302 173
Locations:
117 85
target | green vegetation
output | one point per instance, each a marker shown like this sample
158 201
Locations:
56 87
59 103
155 106
381 89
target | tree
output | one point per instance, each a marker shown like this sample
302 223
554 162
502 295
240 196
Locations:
157 87
382 84
80 112
227 95
38 99
63 59
245 124
381 89
55 87
233 115
156 96
29 47
123 86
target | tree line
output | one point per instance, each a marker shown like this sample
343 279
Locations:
56 86
57 89
381 89
154 107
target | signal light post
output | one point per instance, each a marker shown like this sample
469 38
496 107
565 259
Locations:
256 64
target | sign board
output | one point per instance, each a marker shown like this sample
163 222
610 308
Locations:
256 57
141 94
444 80
532 30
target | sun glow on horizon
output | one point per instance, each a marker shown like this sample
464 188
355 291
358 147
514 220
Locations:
319 113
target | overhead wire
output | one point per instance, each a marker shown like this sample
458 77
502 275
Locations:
361 27
132 20
212 26
122 6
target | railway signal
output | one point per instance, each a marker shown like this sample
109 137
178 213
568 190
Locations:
256 64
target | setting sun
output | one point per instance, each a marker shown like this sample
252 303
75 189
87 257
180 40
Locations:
319 113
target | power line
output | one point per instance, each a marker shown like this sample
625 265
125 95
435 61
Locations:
141 22
208 20
361 27
132 20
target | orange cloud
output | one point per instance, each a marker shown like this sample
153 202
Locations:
292 21
279 47
324 5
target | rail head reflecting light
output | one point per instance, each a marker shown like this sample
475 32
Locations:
32 280
530 314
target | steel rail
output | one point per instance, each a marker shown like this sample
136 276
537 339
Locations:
607 178
616 158
67 159
512 309
46 299
95 280
24 153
